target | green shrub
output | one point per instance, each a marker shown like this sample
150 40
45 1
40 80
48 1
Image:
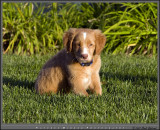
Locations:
30 28
136 30
30 31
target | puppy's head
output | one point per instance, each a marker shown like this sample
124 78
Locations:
84 43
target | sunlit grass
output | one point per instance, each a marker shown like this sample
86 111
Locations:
129 93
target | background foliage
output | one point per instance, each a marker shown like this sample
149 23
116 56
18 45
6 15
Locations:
30 28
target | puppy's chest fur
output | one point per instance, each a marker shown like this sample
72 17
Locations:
86 80
83 74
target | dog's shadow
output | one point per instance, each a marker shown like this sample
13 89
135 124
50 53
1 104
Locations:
10 82
127 77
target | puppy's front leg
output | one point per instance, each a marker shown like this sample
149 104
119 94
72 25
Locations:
78 87
96 85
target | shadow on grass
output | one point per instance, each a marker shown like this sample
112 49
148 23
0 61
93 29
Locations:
127 77
13 82
123 77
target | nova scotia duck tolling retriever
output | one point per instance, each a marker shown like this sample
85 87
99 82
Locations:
76 67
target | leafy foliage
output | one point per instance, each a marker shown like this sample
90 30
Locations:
30 28
136 30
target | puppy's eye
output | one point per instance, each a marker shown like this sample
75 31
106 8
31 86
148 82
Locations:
91 44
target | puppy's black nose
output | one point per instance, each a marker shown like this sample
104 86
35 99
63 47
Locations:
84 56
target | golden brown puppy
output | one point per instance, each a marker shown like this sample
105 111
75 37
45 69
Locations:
75 68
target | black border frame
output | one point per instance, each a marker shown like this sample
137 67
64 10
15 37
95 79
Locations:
79 126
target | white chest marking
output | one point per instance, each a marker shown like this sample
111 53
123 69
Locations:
84 35
86 83
85 80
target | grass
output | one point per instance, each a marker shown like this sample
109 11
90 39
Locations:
129 93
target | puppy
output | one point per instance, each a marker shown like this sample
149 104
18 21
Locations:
76 67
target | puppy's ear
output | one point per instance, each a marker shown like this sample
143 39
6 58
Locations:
100 41
68 39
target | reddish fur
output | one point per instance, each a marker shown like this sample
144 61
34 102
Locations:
63 74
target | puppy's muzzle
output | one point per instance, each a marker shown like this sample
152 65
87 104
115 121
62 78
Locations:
84 56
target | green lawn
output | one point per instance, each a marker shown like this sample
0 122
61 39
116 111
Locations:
129 93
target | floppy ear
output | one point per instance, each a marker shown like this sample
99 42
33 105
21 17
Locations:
68 39
100 41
